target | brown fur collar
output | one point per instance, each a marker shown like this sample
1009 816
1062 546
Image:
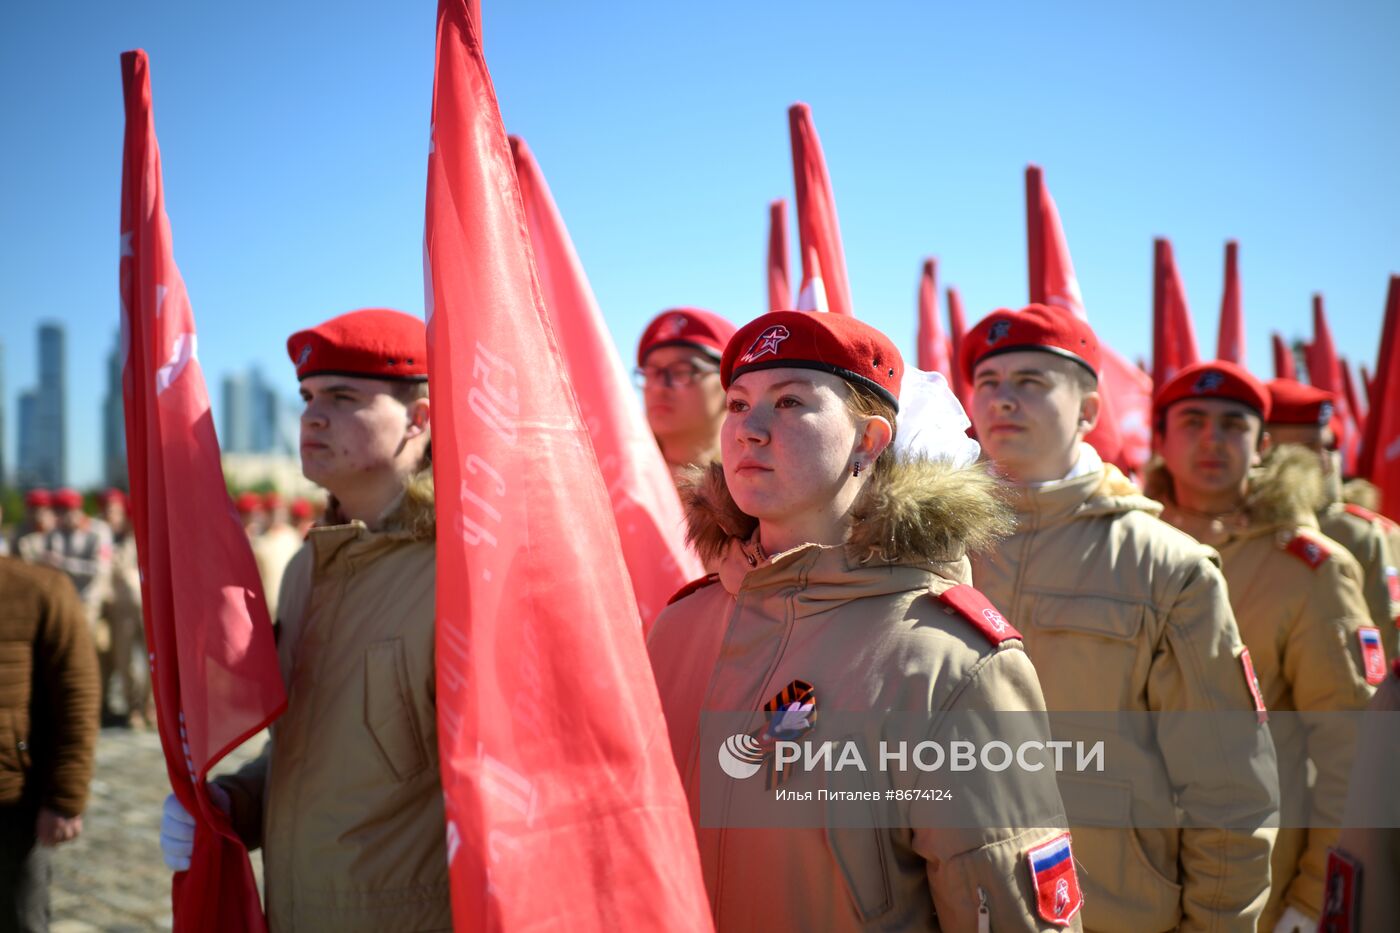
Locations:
923 510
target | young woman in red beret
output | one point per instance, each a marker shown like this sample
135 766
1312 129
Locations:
843 586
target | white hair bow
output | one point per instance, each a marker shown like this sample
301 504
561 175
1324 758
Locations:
932 422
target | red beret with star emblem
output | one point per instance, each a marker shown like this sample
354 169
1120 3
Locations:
1034 327
373 343
831 343
1213 379
1292 402
686 327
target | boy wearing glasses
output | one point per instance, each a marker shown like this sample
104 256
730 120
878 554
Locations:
678 373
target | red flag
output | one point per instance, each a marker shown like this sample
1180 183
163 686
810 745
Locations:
644 501
1284 365
933 343
1230 343
779 285
1354 400
1369 385
824 283
957 329
1382 448
1173 336
214 669
1325 372
564 810
1124 433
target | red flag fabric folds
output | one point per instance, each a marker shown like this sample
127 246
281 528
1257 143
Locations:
1285 367
1230 343
779 284
934 347
1173 336
1354 399
1123 434
214 668
957 329
1382 448
563 805
1325 372
824 283
644 501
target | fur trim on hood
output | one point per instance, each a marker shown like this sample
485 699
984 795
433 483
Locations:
919 510
1285 489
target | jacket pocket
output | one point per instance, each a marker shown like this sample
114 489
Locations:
390 714
1112 619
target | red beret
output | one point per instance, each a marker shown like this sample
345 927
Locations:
1213 379
1292 402
113 495
1034 327
38 498
692 327
300 508
271 500
374 343
831 343
248 502
66 498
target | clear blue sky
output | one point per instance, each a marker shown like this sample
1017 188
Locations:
294 137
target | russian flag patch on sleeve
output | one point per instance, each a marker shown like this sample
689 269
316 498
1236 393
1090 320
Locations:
1372 654
1056 885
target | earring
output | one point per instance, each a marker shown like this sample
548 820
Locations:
855 470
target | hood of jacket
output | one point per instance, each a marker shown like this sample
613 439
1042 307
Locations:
1286 488
1105 492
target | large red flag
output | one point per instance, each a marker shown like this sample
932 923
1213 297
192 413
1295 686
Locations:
213 662
824 283
1325 372
1229 344
1369 384
934 346
1382 448
1354 399
1285 367
1173 336
957 330
1124 432
779 284
644 501
564 810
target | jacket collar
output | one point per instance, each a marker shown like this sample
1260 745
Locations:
412 518
1105 491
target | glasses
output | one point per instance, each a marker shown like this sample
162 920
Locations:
677 374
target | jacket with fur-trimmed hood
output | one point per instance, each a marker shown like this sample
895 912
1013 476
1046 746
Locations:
1299 606
872 626
346 799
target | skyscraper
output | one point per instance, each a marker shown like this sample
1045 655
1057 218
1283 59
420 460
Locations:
114 422
43 421
236 434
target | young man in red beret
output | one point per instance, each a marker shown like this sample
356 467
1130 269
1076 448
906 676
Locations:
346 800
1121 613
1297 598
1307 416
678 372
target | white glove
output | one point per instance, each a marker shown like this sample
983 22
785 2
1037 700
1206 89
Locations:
177 828
1295 921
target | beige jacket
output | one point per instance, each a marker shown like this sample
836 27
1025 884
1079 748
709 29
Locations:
1366 536
863 626
1297 600
1372 802
346 801
1123 612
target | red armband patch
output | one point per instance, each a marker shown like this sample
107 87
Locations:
1372 654
1057 894
692 586
977 609
1251 680
1340 902
1308 551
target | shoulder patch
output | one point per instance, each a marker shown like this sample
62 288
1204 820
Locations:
692 586
1372 655
1360 511
1341 893
1057 894
977 609
1307 550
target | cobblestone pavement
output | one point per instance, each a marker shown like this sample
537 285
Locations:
112 877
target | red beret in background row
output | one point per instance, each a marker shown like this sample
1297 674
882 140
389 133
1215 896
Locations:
1292 402
112 495
1213 379
248 503
830 343
300 509
38 499
692 327
67 499
1034 327
373 343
